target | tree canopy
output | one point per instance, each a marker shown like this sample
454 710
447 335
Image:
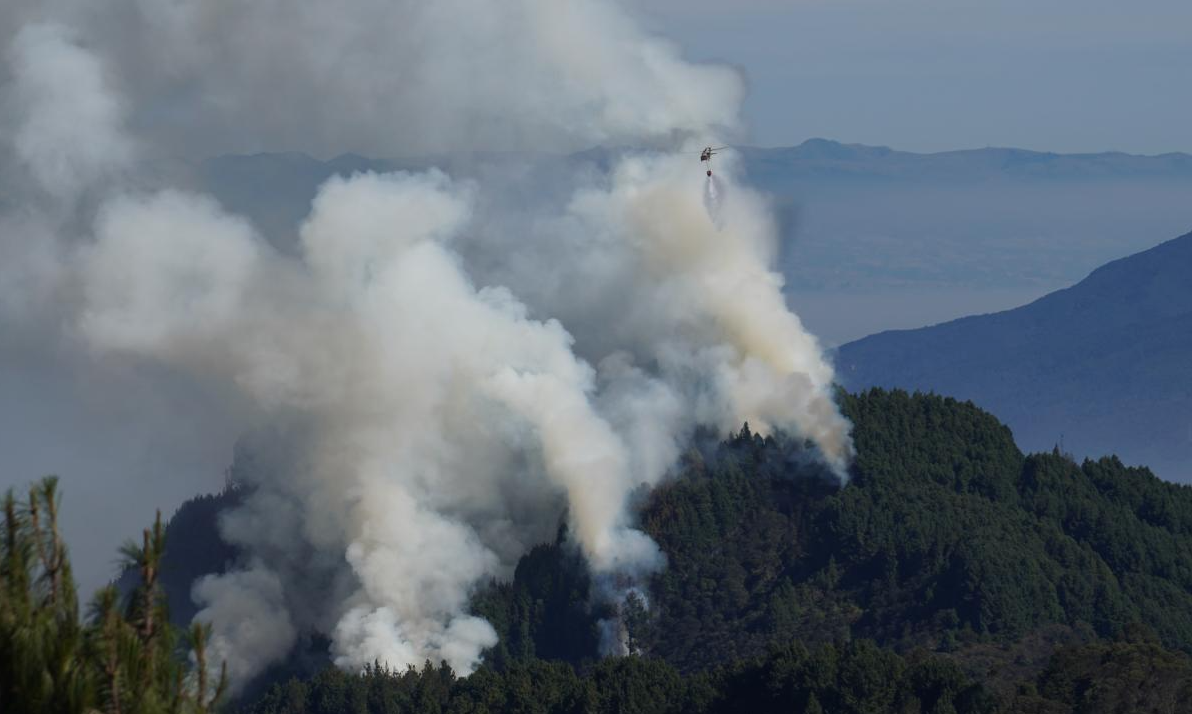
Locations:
951 573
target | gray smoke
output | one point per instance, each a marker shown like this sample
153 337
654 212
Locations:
445 363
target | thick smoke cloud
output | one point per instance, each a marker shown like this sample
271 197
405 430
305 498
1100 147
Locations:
385 77
70 133
444 365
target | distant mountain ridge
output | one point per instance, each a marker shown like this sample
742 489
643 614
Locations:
827 159
814 158
1105 365
853 218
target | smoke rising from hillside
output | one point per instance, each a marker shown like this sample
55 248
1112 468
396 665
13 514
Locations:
446 363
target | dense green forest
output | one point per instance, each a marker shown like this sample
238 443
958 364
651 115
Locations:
857 677
951 574
947 538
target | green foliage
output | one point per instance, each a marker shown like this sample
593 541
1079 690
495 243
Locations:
123 660
856 678
946 538
1106 677
1134 534
738 557
947 556
545 611
41 640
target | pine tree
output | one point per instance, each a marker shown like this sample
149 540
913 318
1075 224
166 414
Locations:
121 660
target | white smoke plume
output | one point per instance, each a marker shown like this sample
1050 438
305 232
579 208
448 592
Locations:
393 77
255 618
69 135
445 363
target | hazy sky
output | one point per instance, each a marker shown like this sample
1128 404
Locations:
929 75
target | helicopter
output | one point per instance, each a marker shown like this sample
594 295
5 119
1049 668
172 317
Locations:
708 153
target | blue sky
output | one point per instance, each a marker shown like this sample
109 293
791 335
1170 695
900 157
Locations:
930 75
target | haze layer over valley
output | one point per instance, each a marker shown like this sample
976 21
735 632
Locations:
871 238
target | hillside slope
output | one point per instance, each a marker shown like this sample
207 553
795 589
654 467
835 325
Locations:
1105 365
952 573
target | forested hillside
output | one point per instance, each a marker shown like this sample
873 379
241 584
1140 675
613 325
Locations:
947 538
952 573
